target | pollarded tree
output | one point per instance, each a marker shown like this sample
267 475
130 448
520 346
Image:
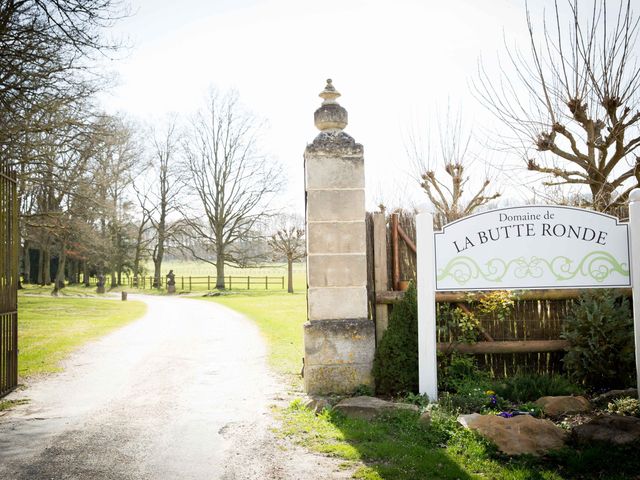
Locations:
451 154
574 97
288 241
232 182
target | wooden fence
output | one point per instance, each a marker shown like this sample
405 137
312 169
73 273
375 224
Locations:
8 281
527 339
189 283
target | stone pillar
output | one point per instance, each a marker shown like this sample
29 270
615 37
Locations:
339 337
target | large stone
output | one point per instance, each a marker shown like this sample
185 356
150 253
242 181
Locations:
336 205
612 395
317 403
613 429
340 172
519 435
336 237
563 405
348 270
338 355
328 303
370 407
337 342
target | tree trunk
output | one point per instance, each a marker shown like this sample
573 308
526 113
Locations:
46 266
157 258
60 277
85 274
157 267
220 270
39 276
27 262
289 274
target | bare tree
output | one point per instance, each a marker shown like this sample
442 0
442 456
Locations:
164 192
574 99
232 182
288 241
451 153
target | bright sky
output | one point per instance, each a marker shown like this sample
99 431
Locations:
395 63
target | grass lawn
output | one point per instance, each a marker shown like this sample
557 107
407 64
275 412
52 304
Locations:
51 328
280 317
397 447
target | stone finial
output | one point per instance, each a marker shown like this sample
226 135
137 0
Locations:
330 117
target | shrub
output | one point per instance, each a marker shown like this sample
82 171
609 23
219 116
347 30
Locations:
599 328
524 387
456 370
395 366
625 406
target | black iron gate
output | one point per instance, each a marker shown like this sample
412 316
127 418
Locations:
8 280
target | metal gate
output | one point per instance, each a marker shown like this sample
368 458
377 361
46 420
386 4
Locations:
8 280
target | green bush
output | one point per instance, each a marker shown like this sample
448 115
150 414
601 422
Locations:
599 328
524 387
456 370
395 366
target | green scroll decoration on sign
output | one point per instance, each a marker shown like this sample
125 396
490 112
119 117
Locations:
597 265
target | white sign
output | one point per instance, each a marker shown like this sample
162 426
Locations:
532 247
523 247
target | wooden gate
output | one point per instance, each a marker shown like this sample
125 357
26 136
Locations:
8 280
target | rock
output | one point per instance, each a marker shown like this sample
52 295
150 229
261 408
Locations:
467 420
517 435
615 429
370 407
611 395
567 405
317 403
425 419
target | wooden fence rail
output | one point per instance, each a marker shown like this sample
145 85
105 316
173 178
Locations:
187 283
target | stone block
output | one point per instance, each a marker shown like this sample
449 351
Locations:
327 303
339 342
349 237
337 270
339 379
323 173
338 355
335 205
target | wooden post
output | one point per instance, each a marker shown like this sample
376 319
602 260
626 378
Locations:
282 278
248 282
427 339
634 246
266 283
380 271
230 282
396 251
189 282
208 282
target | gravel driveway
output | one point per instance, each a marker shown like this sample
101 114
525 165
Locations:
182 393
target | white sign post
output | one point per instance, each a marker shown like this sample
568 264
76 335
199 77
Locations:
634 241
427 355
528 247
